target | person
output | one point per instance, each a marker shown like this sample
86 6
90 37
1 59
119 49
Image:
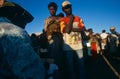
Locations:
95 46
54 37
113 41
113 31
72 27
89 33
104 37
52 7
43 43
15 13
103 34
18 59
35 42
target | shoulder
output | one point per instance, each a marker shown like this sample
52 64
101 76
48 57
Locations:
77 18
10 29
64 19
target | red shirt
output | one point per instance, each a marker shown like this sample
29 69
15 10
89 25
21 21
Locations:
77 23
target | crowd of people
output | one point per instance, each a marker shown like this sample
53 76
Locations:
69 41
107 43
58 52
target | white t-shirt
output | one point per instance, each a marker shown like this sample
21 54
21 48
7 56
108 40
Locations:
103 35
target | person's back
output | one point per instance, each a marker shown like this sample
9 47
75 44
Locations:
18 60
103 35
113 39
104 39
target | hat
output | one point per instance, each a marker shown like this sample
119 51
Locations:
112 28
65 3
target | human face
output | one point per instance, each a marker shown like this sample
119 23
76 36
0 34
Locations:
52 11
68 10
1 3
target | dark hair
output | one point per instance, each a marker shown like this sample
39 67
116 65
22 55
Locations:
90 29
60 14
103 31
53 4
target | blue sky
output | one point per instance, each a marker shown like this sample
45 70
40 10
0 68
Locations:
96 14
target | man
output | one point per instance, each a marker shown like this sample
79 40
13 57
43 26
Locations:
113 41
52 7
104 37
55 40
73 28
113 30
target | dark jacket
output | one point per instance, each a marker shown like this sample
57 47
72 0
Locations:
18 60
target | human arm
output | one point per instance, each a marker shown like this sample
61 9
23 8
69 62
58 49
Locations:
69 26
